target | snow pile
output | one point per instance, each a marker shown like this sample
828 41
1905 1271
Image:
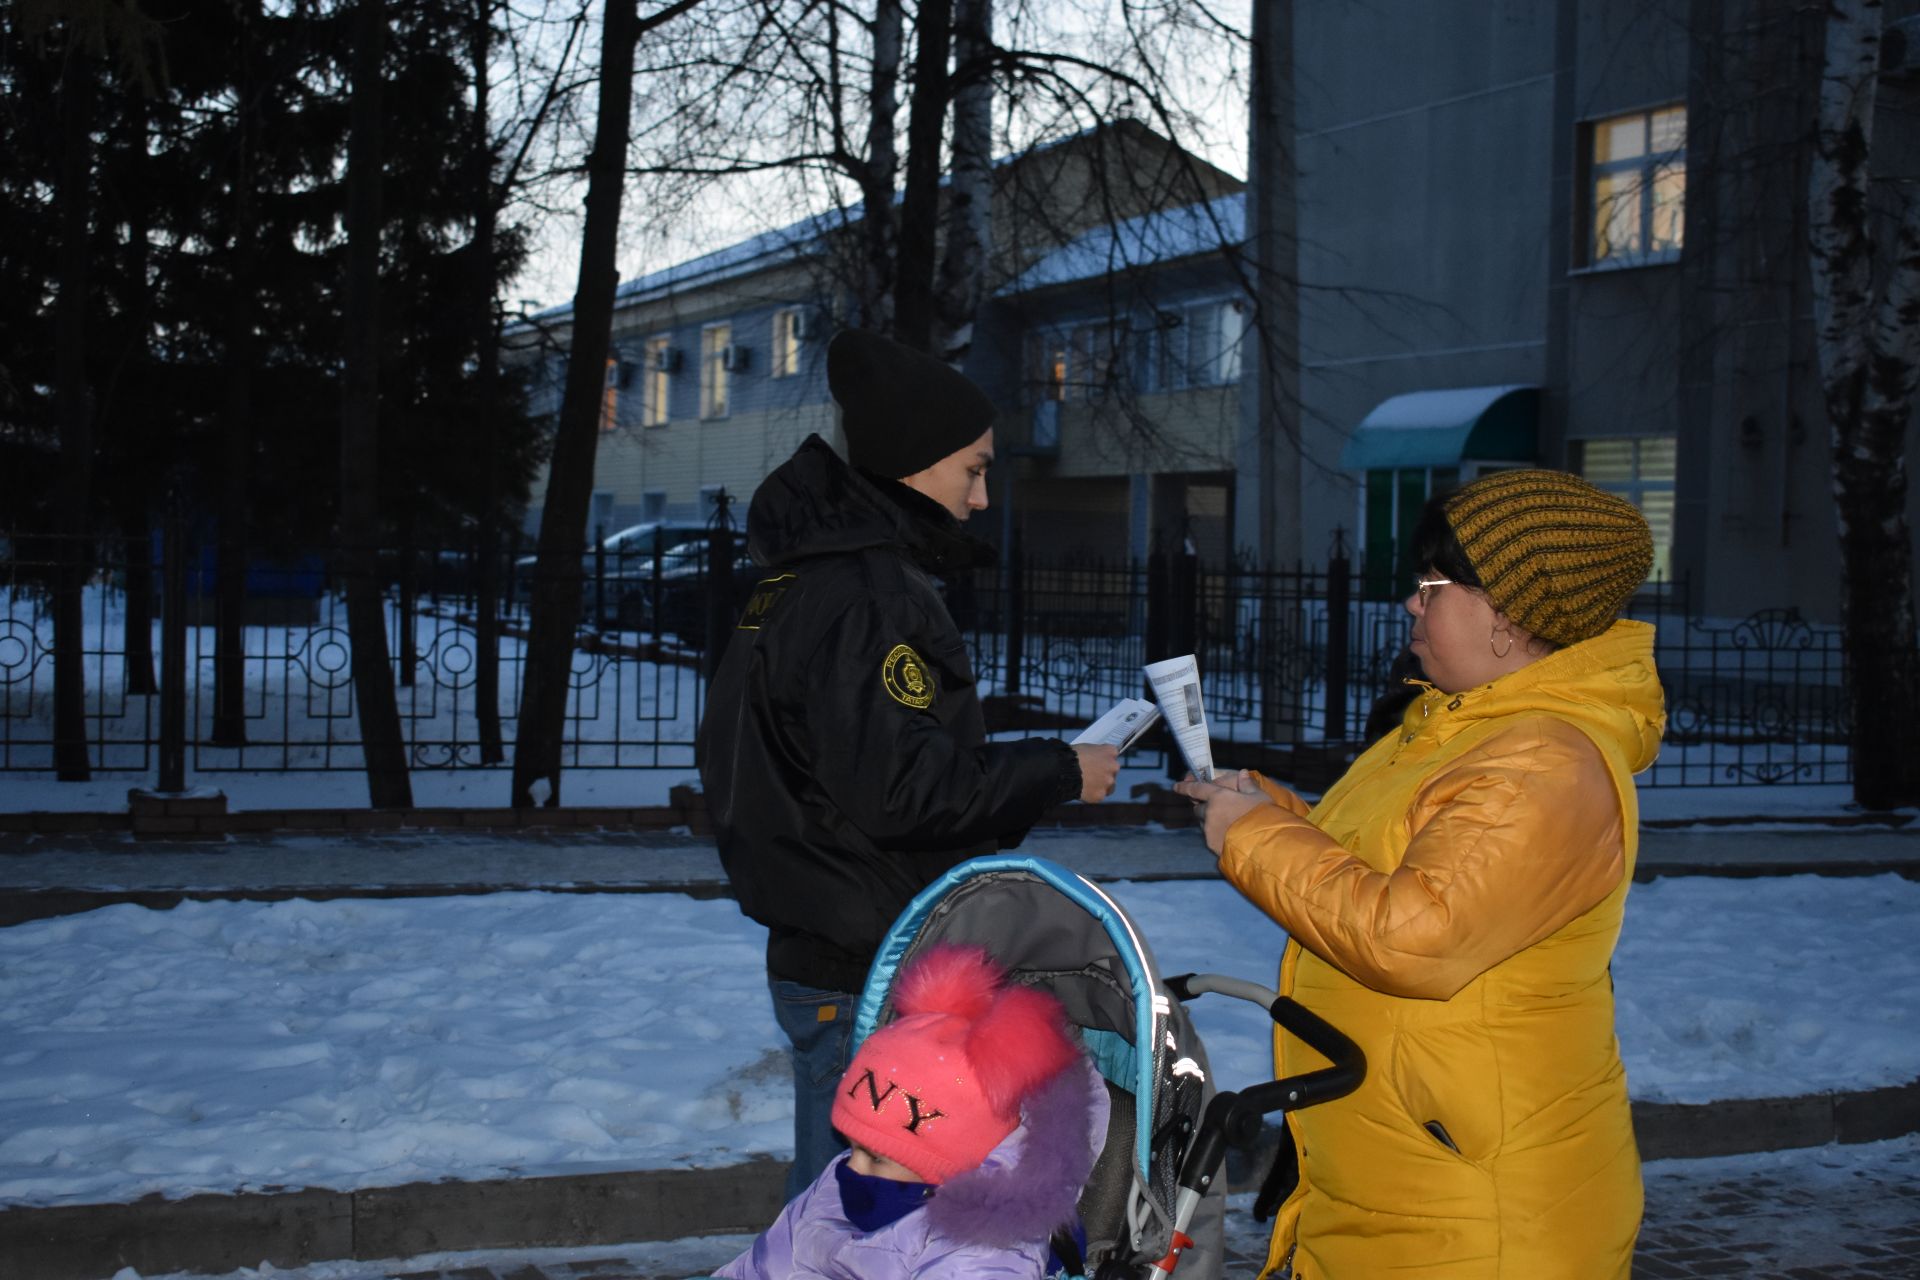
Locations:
352 1043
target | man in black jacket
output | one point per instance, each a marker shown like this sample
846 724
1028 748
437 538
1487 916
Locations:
844 753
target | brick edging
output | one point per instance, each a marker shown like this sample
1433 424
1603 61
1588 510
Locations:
220 1233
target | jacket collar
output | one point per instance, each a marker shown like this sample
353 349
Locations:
1607 685
815 504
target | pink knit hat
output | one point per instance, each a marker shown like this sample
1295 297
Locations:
940 1086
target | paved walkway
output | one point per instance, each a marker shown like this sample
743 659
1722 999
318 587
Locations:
1837 1213
53 874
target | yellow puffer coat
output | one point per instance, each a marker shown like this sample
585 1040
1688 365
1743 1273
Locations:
1453 904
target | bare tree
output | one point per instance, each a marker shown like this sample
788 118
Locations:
1867 333
556 593
803 99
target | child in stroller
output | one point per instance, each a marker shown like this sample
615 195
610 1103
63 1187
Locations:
1152 1199
974 1122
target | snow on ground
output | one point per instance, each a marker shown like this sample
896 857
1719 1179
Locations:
233 1045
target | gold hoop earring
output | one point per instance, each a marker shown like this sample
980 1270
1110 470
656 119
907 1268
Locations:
1501 653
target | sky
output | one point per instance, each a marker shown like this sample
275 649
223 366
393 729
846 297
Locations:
223 1046
733 209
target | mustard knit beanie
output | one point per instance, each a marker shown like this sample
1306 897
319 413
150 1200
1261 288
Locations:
1555 554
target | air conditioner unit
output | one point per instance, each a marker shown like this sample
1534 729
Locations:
734 359
805 325
666 360
624 374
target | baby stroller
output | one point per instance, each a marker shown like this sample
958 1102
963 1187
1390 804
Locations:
1155 1194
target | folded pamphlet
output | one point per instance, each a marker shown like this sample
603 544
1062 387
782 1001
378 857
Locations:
1122 725
1176 683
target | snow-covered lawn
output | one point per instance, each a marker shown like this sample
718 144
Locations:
222 1046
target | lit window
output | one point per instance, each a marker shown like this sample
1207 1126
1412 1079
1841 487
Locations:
1641 470
658 384
1637 188
714 342
1048 363
610 395
786 342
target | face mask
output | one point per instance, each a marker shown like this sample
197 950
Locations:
871 1203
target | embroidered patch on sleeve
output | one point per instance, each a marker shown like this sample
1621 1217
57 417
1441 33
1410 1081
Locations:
760 604
907 679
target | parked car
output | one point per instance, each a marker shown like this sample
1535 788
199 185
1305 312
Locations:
685 586
616 580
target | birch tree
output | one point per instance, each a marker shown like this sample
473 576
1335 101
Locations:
1867 333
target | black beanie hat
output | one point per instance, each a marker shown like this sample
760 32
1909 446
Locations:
902 409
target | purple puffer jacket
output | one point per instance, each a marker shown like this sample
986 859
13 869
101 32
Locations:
992 1222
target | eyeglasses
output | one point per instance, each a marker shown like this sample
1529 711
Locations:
1422 586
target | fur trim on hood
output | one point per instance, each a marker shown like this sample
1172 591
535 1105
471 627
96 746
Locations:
1030 1184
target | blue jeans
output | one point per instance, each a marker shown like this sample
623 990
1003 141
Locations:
819 1026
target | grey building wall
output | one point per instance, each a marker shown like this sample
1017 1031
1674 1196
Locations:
1425 152
1442 190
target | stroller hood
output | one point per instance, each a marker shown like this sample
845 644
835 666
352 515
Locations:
1054 929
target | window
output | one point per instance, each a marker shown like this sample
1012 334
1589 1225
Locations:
1082 363
1636 188
1641 470
787 327
1097 350
610 395
1199 346
656 390
1049 362
653 506
714 341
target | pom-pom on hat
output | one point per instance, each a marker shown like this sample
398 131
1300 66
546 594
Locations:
939 1087
1555 554
902 409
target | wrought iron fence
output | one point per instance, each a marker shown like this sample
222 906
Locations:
1293 659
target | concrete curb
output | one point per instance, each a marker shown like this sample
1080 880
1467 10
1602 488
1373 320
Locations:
213 1234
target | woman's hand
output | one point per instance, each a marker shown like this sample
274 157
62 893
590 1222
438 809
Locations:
1221 804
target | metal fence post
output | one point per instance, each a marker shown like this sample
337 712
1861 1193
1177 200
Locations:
720 616
1016 615
173 650
1339 632
599 575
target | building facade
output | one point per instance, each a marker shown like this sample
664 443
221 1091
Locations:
1109 340
1569 234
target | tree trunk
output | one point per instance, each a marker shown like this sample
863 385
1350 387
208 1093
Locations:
963 264
1868 342
920 202
236 423
74 398
486 312
130 500
388 786
875 309
555 593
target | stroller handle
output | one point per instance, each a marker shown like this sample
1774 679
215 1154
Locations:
1234 1119
1291 1092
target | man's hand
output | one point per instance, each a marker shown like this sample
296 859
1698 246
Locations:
1221 804
1099 766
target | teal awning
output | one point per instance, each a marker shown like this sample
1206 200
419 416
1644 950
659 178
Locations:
1440 428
